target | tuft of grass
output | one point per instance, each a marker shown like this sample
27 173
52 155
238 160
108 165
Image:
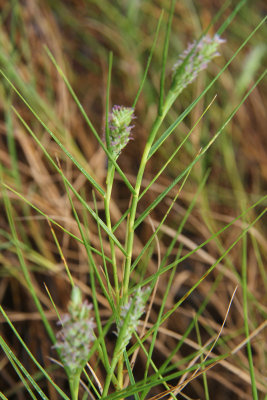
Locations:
132 268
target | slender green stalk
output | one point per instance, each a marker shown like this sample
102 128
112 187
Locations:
133 207
164 58
110 178
148 61
74 382
120 372
62 255
110 288
130 372
110 59
157 325
110 373
204 375
135 196
149 360
179 147
127 323
152 237
109 183
245 313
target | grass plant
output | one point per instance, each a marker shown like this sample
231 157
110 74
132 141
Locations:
132 244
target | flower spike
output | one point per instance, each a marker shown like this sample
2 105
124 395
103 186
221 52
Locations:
119 128
77 334
130 316
193 60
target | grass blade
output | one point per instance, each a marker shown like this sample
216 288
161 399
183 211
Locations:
175 181
89 123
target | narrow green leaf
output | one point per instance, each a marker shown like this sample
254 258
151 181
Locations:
63 395
24 199
87 120
176 180
246 317
19 367
91 211
63 148
164 57
148 61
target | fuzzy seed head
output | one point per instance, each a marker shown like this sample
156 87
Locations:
132 312
193 60
76 335
119 128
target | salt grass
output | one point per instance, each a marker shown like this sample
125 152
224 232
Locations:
118 276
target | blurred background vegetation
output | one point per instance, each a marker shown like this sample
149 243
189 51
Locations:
80 33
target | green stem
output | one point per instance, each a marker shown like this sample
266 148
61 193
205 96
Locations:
170 99
109 375
120 372
133 207
130 229
109 181
246 320
74 386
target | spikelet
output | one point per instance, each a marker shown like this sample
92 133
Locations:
76 335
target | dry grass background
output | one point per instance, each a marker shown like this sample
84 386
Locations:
79 34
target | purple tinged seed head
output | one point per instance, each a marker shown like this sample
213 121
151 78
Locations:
193 60
120 128
132 311
76 335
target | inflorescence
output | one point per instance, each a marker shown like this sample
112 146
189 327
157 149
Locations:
130 316
193 60
77 334
120 128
